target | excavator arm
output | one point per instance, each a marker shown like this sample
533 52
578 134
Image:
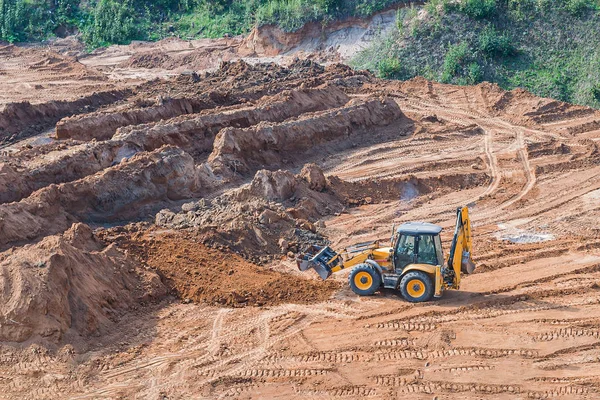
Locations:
325 261
460 260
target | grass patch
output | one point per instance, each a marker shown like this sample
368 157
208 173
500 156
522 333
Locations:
548 47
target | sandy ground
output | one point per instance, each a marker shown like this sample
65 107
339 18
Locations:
525 325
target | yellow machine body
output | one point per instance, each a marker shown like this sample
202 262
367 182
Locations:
413 264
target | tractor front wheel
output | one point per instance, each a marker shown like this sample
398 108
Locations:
364 280
416 286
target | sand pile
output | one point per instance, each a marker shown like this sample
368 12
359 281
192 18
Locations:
195 272
70 284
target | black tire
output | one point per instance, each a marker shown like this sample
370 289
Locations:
416 287
364 280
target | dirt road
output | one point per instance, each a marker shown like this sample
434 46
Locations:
525 325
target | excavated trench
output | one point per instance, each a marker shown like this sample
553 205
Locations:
193 134
238 149
21 120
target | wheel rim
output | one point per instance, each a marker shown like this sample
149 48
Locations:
415 288
363 280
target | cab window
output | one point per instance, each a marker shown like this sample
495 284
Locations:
427 253
438 249
406 244
405 252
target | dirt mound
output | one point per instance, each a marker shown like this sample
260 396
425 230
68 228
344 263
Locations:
154 59
32 169
244 150
276 213
233 83
530 108
129 189
69 285
19 120
102 126
204 58
195 134
19 178
53 62
206 275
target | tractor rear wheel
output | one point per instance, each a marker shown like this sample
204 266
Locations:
364 280
416 286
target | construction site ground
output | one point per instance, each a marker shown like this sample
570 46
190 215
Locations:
149 222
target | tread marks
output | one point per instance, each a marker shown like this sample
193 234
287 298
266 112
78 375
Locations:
281 373
570 332
409 327
456 352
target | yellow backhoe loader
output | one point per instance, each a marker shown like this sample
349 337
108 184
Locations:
414 264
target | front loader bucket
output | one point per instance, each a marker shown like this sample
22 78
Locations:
320 258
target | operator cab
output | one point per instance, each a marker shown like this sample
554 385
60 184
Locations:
417 243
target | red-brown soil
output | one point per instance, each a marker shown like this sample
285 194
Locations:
213 276
191 290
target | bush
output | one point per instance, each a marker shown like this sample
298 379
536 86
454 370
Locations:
596 92
475 73
112 21
579 7
491 43
289 15
456 59
478 9
22 20
389 68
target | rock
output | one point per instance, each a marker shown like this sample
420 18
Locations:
187 207
164 217
297 212
431 118
306 225
268 217
283 245
273 185
312 174
320 224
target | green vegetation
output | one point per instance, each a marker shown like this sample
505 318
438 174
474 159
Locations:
548 47
476 8
104 22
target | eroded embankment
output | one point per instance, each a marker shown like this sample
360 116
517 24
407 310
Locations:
128 190
195 134
19 120
244 150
